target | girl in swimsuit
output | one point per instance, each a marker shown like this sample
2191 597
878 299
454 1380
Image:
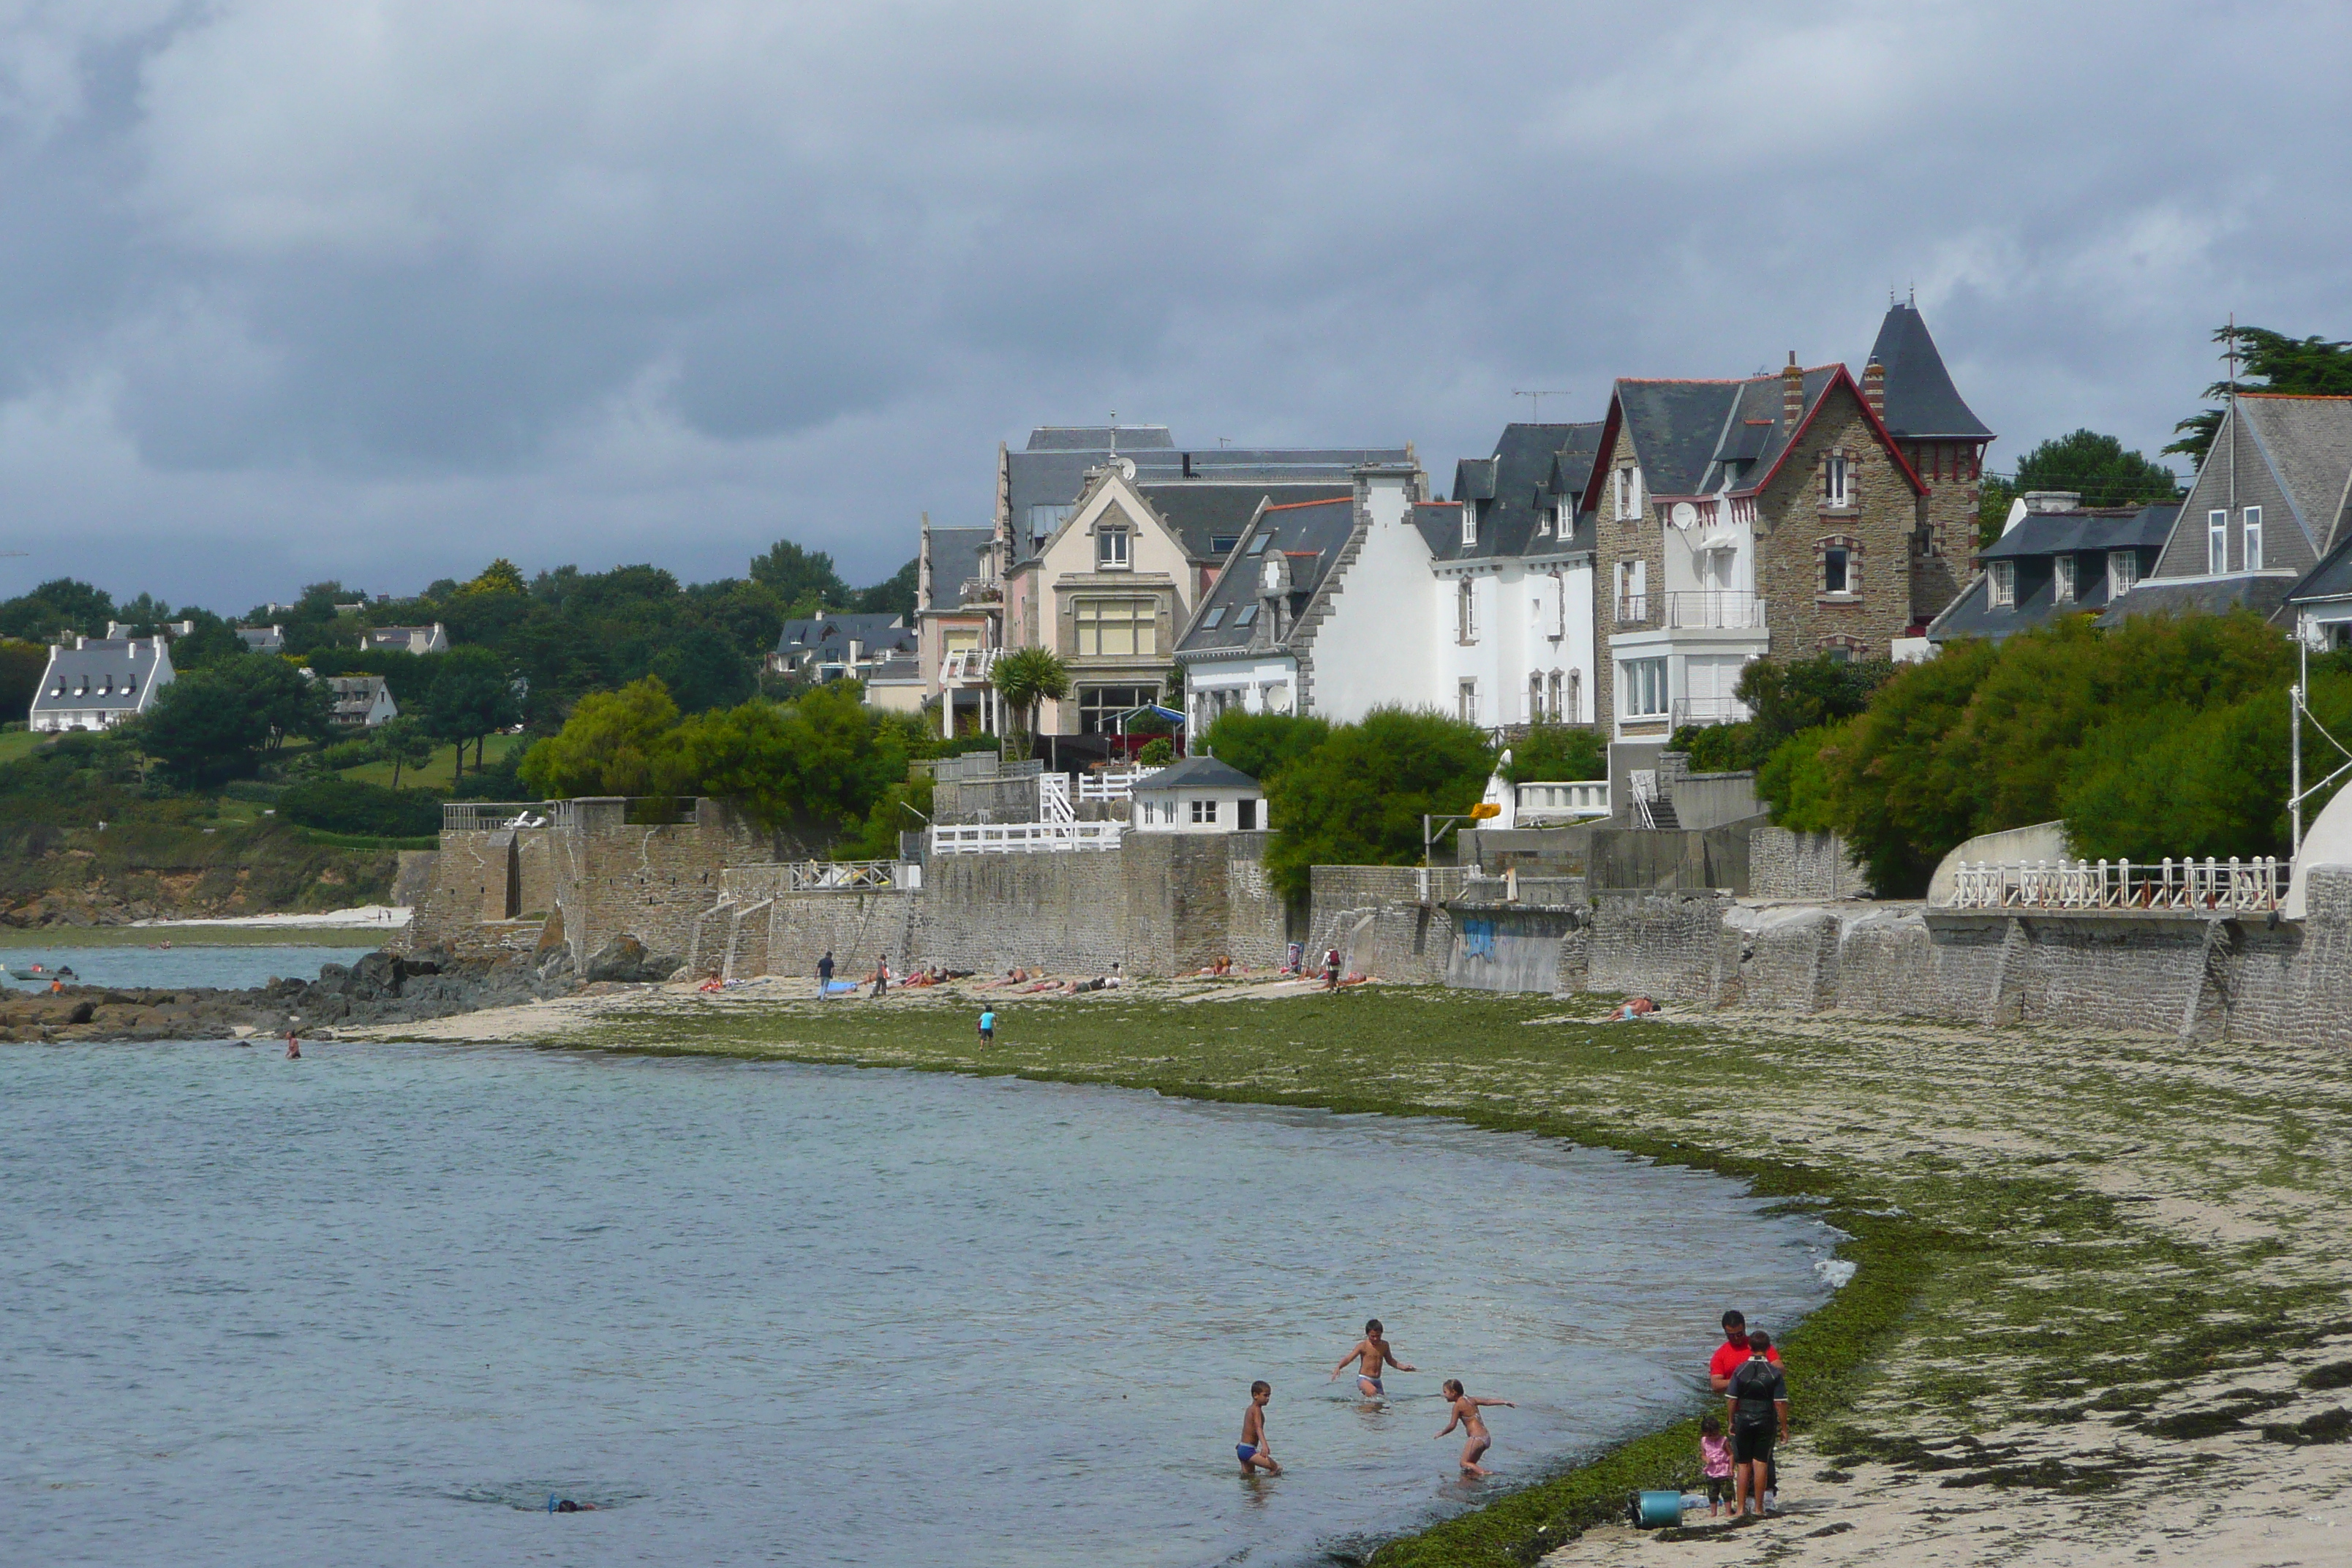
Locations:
1373 1352
1463 1410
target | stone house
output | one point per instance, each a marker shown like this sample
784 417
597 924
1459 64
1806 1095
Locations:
2268 502
959 625
96 683
262 639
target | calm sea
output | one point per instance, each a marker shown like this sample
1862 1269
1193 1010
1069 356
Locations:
228 967
377 1305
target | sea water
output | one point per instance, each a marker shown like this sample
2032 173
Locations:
233 967
379 1305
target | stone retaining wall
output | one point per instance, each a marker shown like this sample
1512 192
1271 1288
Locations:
1782 864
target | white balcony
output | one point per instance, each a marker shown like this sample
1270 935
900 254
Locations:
1714 609
1709 711
1536 803
1633 609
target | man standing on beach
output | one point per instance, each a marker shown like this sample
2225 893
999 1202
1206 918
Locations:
1729 1357
1757 1403
824 975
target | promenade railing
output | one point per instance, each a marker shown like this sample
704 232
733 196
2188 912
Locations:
851 876
2207 886
1023 837
1112 783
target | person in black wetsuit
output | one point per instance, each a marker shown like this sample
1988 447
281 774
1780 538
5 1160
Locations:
1757 1403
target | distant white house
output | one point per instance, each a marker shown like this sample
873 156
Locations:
361 701
100 682
1199 795
403 639
263 639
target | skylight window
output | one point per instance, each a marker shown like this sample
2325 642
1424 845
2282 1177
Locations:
1214 619
1257 545
1223 543
1247 614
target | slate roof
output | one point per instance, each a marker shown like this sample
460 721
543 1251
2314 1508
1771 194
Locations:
355 694
1197 773
1921 401
1309 535
2331 578
955 557
2200 597
2307 441
1516 487
828 632
2037 540
1096 437
2088 528
1203 511
898 670
110 675
263 639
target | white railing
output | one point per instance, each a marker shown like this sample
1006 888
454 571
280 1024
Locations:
1023 837
1577 797
1709 710
479 816
1053 798
2211 885
1112 783
851 876
968 667
1705 608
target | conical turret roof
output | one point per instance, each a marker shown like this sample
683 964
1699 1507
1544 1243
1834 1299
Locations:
1922 403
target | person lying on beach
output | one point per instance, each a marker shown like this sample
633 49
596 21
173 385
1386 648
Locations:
1637 1007
1254 1451
1463 1411
1373 1352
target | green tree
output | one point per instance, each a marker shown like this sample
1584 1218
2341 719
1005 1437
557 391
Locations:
1157 753
1559 752
1784 697
1358 799
1261 744
60 605
143 617
404 742
282 697
1025 677
202 730
894 596
614 742
22 664
702 669
2096 468
2273 362
803 579
472 695
213 641
500 576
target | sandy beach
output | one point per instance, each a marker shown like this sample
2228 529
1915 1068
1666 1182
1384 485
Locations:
2131 1341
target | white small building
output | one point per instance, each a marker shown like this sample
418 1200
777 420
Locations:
262 639
403 639
100 682
1199 795
361 701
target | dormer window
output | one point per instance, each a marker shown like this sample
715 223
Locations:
1837 480
2123 572
1110 549
2000 584
1469 523
2217 543
2253 539
1257 545
1629 493
1245 615
2061 579
1214 619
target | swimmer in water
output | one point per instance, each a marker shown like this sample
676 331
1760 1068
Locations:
568 1506
1373 1352
1465 1412
293 1048
1254 1451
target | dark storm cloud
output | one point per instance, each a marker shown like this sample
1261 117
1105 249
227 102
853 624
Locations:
377 291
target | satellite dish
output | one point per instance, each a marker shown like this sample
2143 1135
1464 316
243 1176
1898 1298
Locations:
1126 466
1685 515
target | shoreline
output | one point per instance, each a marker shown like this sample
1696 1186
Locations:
2098 1309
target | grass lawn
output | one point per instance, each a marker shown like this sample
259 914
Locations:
437 772
20 743
2100 1312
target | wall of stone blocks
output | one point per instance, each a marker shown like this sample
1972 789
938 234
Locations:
467 887
857 928
1886 515
535 867
985 800
411 884
1376 917
611 878
1783 864
1672 944
1508 947
1258 921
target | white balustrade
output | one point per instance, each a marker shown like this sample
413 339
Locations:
1023 837
2208 886
1112 783
1575 797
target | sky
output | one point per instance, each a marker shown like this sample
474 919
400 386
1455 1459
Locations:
376 292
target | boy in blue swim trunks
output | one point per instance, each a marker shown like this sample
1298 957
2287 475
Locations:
1254 1451
1373 1353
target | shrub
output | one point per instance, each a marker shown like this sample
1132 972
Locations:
1559 752
363 810
1358 799
1261 744
1157 753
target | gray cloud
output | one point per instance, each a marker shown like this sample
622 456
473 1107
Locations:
291 290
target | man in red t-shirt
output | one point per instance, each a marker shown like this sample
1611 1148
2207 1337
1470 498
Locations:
1729 1357
1732 1352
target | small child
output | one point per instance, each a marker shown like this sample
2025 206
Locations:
987 1026
1254 1451
1371 1355
1463 1409
1714 1453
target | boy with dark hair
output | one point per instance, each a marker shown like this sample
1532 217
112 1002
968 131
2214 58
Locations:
1756 1400
1254 1451
1373 1352
987 1026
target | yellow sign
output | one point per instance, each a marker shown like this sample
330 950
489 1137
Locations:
1485 810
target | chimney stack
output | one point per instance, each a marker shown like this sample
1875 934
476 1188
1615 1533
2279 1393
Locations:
1792 392
1874 388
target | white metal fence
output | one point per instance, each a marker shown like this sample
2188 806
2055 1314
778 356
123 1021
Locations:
1023 837
1713 608
2210 885
1112 783
851 876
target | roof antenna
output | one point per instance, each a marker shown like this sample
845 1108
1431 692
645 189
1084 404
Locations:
1538 397
1915 294
2229 336
1114 436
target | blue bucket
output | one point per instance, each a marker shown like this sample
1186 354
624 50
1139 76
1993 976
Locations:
1657 1510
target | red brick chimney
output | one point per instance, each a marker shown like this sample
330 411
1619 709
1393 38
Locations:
1792 392
1873 387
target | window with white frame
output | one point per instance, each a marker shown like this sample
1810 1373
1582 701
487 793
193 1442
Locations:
2217 543
2123 572
1466 612
1632 596
2061 579
1629 493
1469 523
1837 569
2000 584
1558 606
1559 714
1837 480
1535 699
1465 702
2253 539
1574 702
1204 811
1646 688
1110 549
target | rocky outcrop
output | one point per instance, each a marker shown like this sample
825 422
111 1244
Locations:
626 958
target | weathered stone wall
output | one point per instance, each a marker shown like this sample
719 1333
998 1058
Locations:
535 868
985 800
1795 521
1783 864
413 883
1516 948
611 878
1672 944
1377 918
467 887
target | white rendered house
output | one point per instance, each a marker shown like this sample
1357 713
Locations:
100 682
1199 794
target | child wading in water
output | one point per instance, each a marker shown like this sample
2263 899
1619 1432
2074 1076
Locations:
1373 1352
1254 1451
1715 1456
1463 1411
987 1026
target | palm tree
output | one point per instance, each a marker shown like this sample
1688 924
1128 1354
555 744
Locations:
1027 677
